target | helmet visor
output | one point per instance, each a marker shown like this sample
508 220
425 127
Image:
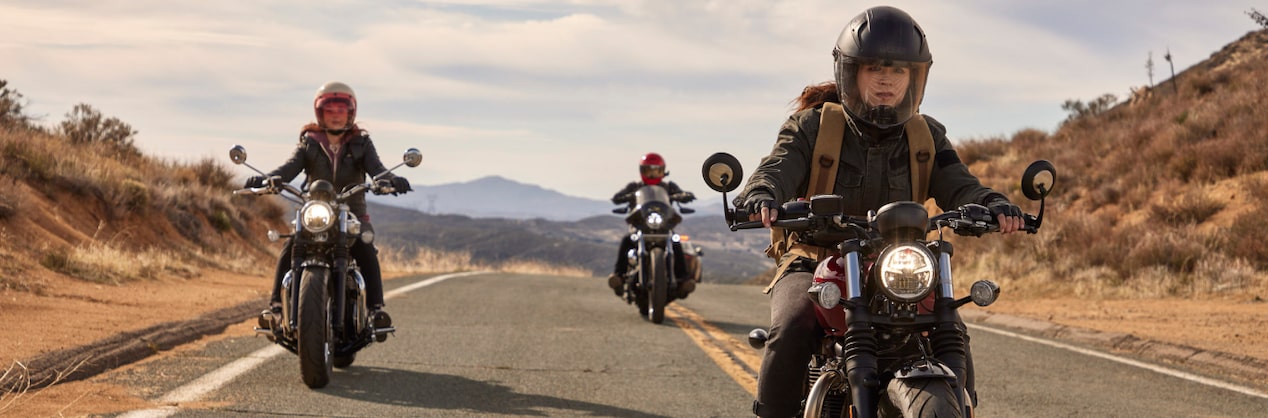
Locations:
651 171
884 93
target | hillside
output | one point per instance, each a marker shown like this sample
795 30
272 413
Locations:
98 210
1157 196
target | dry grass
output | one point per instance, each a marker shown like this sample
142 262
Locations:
428 260
1143 192
159 217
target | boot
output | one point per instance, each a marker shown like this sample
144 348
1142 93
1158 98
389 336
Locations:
617 284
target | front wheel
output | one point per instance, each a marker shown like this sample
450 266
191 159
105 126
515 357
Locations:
314 328
660 285
925 398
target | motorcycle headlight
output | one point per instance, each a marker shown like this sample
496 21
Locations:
826 294
316 216
655 221
907 273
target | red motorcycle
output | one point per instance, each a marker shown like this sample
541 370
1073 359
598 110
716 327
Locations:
892 343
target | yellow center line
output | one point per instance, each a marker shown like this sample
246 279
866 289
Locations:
735 358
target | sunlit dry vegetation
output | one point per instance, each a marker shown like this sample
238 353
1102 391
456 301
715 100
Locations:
103 212
1157 196
429 260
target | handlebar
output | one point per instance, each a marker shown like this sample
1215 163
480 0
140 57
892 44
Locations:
965 221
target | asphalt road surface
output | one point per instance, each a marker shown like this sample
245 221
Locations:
518 345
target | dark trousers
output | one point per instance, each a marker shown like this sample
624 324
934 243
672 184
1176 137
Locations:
794 333
623 262
367 257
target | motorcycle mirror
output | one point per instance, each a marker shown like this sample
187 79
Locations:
722 172
238 154
413 157
1038 179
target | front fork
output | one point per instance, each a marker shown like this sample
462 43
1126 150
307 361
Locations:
947 339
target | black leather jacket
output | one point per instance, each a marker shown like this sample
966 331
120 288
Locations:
357 159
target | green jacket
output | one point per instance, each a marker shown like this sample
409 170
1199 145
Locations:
872 171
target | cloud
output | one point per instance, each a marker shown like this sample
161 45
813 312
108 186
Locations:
565 94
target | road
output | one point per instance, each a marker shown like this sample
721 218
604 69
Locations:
517 345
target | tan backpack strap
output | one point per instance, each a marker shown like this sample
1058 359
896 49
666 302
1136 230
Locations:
827 153
920 145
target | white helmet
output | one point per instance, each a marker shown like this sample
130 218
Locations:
335 91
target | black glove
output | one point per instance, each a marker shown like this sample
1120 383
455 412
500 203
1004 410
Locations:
756 201
401 185
620 198
381 186
685 197
255 182
1003 207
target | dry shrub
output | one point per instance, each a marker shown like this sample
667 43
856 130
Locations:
1248 239
1188 209
430 260
1175 250
982 149
103 263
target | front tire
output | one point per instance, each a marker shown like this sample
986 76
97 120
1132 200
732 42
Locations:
925 398
660 286
314 329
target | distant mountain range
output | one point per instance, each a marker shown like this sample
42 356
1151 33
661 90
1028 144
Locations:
499 197
497 219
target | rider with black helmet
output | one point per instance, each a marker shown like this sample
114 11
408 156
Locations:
882 61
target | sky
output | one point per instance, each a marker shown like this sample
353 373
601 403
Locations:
565 94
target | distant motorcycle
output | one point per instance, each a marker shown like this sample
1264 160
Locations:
324 317
885 350
649 281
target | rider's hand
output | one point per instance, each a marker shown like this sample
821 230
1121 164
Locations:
1008 215
401 185
761 206
685 197
255 182
381 186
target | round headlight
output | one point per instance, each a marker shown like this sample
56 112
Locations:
907 273
826 294
655 221
316 216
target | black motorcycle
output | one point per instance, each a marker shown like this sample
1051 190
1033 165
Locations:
324 316
892 345
650 282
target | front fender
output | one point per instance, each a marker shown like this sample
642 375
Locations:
926 368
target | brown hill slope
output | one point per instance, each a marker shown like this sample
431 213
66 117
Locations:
1156 196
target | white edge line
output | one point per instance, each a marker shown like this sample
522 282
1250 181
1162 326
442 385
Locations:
218 378
1151 367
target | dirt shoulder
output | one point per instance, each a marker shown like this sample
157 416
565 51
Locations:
81 315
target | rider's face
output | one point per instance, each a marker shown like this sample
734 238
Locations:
883 85
335 115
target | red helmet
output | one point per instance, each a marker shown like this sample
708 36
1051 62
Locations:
652 168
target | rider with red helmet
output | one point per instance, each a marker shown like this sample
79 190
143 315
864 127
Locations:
651 169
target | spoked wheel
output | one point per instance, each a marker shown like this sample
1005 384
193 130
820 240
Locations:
659 292
314 329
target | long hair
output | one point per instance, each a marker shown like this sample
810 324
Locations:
815 95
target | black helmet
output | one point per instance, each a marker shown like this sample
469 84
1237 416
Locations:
882 40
